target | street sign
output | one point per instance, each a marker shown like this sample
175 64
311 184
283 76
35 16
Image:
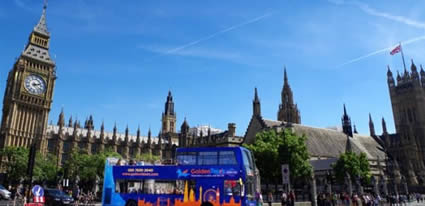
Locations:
285 174
37 191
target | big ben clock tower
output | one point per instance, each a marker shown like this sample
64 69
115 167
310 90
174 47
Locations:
29 92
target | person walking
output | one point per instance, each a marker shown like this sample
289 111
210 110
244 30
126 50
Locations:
283 199
270 198
291 198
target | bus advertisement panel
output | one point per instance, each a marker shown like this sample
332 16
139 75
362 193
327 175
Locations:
190 183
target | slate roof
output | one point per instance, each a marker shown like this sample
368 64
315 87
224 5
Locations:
331 143
323 164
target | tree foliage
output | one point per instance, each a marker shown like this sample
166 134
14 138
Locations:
147 157
272 148
85 168
45 169
356 165
15 164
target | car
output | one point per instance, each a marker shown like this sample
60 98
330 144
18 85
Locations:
4 193
57 197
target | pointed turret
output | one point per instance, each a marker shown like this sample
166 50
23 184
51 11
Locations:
38 45
415 74
346 123
41 27
398 78
288 112
90 123
114 132
61 120
184 129
74 133
256 104
355 129
70 122
126 134
184 134
169 116
138 135
371 126
102 132
390 79
149 137
384 126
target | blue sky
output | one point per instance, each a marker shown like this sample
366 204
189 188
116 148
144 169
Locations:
117 59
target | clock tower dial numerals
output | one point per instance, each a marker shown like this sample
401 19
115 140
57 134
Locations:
34 84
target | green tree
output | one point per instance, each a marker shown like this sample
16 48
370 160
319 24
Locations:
15 164
45 169
293 151
147 157
356 165
272 148
87 167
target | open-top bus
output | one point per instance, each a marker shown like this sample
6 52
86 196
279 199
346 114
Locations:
223 176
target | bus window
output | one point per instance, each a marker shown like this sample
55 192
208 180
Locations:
247 162
227 158
186 158
207 158
232 188
169 187
149 187
129 186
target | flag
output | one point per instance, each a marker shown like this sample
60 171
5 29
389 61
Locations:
396 50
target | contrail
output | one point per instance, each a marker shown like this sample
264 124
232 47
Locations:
382 50
216 34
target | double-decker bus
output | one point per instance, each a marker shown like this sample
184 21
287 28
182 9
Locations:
222 176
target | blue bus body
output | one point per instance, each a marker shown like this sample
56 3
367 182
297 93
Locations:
223 176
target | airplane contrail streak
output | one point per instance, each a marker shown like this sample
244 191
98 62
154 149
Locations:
409 41
217 33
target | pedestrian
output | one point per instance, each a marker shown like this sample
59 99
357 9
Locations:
283 199
270 198
291 198
260 199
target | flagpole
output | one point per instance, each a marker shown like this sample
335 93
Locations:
402 56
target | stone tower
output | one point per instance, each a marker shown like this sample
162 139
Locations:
29 92
256 105
408 104
288 111
346 124
169 116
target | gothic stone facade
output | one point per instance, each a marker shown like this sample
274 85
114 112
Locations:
407 145
322 144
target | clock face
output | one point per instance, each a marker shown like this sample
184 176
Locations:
35 84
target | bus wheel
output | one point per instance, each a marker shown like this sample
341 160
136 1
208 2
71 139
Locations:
131 203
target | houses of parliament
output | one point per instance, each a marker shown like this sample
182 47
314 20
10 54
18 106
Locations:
29 93
28 99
